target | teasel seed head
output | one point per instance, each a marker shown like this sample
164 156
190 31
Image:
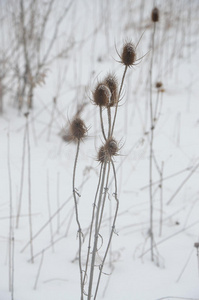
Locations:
78 129
158 84
108 150
111 147
128 56
112 83
155 14
101 95
101 155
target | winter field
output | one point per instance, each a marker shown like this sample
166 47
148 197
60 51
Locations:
54 55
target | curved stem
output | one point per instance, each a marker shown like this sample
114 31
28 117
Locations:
104 198
77 219
120 90
112 230
109 121
102 124
91 226
151 150
96 233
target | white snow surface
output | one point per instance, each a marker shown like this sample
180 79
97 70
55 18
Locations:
98 29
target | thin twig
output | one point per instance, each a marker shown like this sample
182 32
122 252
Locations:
78 222
22 179
112 231
39 270
29 191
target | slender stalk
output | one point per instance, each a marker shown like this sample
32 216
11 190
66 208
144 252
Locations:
10 212
22 179
183 183
119 94
29 192
112 231
49 211
151 148
156 107
58 204
161 199
96 233
13 257
78 222
109 121
102 124
104 198
39 270
91 226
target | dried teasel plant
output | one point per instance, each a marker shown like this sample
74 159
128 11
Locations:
106 96
154 19
78 131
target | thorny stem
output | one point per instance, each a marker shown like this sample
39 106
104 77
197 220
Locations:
104 198
96 232
91 226
77 220
151 149
112 231
109 121
119 94
102 124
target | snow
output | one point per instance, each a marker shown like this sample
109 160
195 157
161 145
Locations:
97 29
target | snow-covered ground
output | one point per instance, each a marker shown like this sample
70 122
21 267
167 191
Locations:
97 30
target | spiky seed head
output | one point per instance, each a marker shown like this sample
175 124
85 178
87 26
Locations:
155 14
128 56
112 83
101 155
111 147
158 84
78 129
101 95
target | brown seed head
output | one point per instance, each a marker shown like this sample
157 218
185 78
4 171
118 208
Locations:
101 155
101 95
155 14
78 129
128 56
112 83
111 147
158 84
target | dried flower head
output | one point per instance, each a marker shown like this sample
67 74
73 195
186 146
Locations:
111 147
158 84
112 83
78 129
155 14
101 95
101 155
128 56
